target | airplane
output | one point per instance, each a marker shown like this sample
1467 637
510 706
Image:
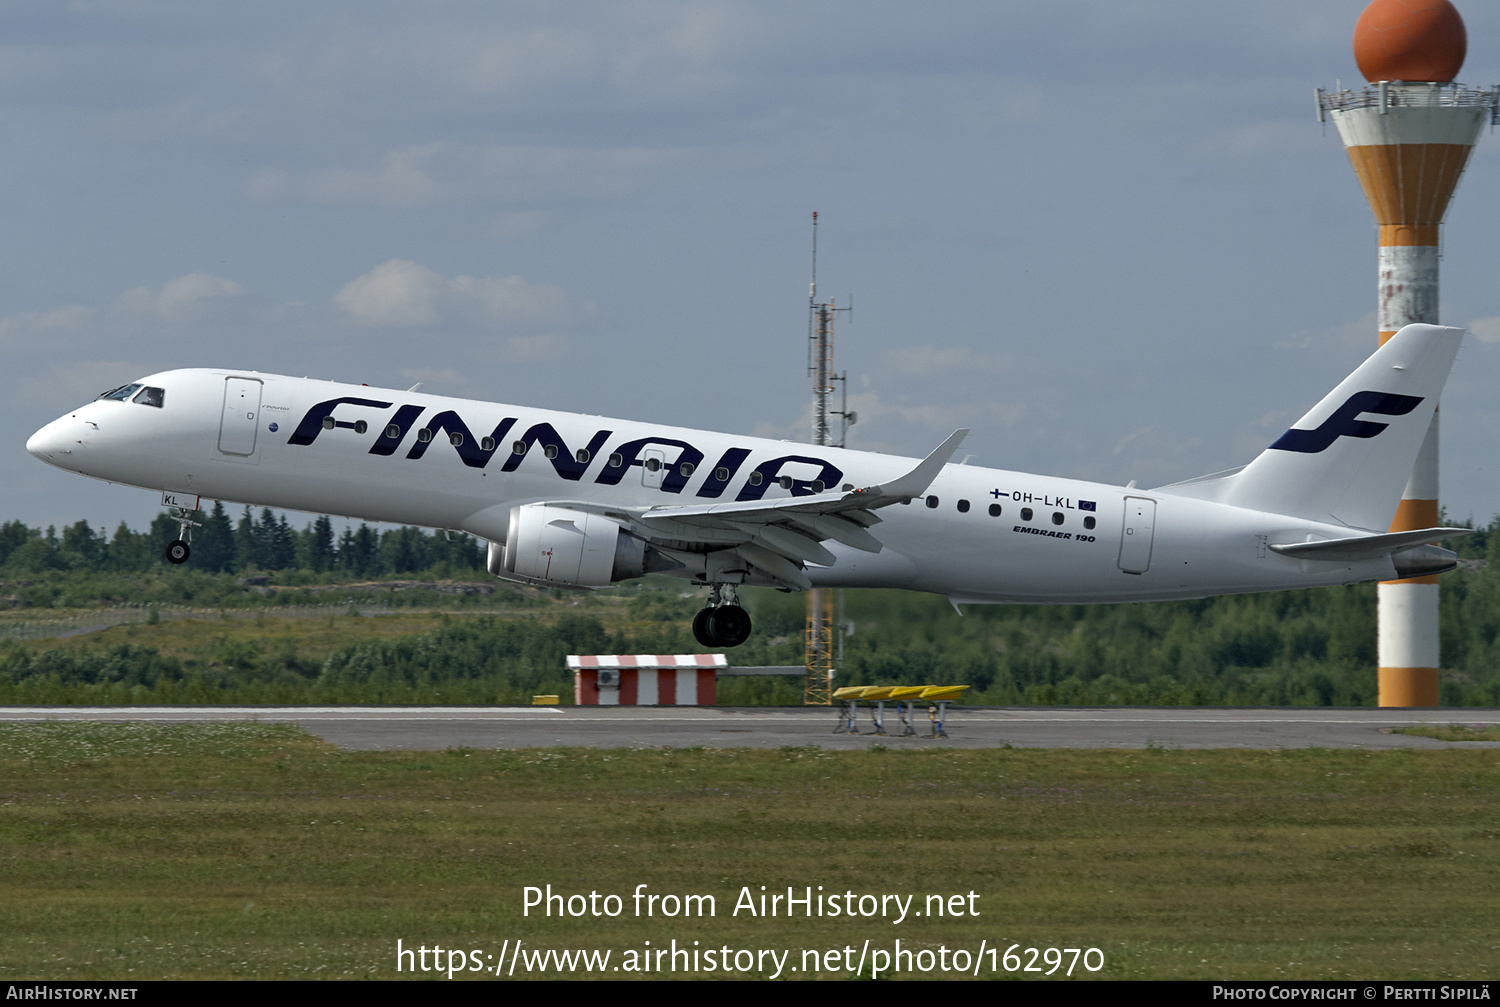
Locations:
580 501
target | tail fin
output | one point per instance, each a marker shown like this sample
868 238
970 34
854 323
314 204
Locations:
1348 459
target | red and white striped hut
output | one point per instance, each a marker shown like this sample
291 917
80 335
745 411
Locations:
645 679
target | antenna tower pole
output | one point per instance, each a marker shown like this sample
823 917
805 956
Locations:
817 686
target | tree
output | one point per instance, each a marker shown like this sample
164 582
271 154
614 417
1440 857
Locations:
81 548
213 544
13 535
320 545
245 544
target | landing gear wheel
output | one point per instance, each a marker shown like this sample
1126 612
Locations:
729 624
701 631
178 552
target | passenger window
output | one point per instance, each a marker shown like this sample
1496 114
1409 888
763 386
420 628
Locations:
963 506
1089 523
393 431
424 435
687 469
550 451
817 486
616 460
1057 517
149 396
518 448
756 479
653 464
456 439
932 502
994 510
786 482
721 474
1025 513
581 456
487 444
329 422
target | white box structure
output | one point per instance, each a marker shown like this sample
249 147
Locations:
645 679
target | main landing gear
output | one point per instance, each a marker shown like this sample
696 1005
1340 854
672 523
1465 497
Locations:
179 551
723 623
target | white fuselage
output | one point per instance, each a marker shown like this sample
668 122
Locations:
263 439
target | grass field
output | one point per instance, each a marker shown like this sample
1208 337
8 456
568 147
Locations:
137 852
1453 732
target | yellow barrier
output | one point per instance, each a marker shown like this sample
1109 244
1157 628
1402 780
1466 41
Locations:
545 701
905 697
936 692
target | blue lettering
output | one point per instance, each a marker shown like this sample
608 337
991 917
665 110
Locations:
713 487
629 452
474 454
564 461
312 424
770 472
404 418
1343 423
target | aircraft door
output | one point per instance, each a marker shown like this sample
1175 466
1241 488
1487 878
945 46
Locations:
1136 538
241 409
653 468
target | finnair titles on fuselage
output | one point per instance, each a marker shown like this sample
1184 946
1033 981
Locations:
581 501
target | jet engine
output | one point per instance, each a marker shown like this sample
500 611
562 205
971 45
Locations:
558 545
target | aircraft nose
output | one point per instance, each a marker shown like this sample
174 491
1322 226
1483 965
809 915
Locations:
53 442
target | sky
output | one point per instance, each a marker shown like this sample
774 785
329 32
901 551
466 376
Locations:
1108 235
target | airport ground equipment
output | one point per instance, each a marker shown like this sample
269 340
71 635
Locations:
940 696
878 694
906 698
906 705
848 716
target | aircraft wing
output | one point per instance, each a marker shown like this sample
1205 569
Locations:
779 537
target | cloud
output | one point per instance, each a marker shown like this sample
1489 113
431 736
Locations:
77 382
45 324
499 174
400 181
189 298
403 294
924 360
1486 330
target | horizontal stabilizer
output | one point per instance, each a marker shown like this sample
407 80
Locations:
1345 550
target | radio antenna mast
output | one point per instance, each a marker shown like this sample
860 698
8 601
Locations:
817 687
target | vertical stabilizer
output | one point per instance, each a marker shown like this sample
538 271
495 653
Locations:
1348 459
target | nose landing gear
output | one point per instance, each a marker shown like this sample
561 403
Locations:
723 623
179 551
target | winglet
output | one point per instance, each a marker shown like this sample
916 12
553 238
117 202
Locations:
915 482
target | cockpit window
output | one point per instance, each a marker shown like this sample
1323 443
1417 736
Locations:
151 396
122 393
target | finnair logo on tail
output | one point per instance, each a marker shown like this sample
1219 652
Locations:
1344 424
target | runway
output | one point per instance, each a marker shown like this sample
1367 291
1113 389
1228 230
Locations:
440 727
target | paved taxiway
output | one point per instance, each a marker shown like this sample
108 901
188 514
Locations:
436 727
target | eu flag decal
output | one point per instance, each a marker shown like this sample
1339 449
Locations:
1086 505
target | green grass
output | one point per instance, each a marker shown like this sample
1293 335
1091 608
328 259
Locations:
1453 732
217 851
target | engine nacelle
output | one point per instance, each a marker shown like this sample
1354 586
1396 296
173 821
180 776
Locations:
563 546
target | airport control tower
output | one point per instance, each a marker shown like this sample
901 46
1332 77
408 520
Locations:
1409 134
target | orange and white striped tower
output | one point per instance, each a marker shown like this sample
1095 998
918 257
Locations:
1409 134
